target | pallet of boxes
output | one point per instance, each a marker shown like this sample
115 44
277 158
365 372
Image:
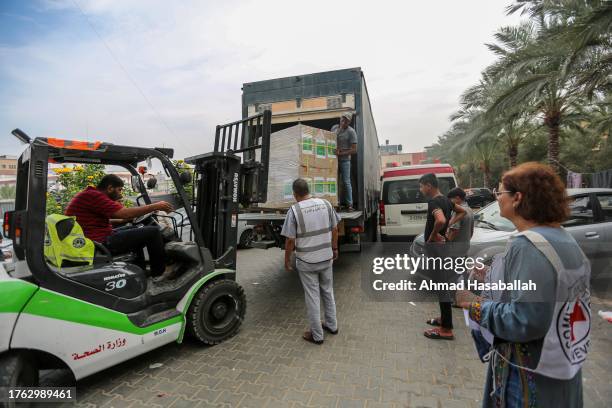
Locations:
302 152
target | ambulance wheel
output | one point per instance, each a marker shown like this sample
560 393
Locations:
216 312
17 369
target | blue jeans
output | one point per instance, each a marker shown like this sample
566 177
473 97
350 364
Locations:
345 175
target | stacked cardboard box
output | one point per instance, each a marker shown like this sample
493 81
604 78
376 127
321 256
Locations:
302 152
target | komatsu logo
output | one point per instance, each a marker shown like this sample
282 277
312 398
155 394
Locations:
119 275
235 193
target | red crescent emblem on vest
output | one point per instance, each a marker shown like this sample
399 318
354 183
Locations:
576 316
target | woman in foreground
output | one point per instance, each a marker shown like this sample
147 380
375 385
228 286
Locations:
540 338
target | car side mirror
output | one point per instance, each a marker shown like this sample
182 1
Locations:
151 183
477 216
185 177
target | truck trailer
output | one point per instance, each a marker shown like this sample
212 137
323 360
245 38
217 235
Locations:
318 100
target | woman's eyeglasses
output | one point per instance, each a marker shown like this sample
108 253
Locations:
497 192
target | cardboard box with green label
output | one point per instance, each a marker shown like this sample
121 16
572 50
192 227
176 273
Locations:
304 152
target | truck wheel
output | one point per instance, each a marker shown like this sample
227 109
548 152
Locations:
17 369
246 238
216 312
374 227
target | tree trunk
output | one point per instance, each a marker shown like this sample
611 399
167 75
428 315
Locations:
552 121
486 174
513 153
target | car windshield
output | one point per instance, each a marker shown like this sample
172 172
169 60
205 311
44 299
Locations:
489 217
407 191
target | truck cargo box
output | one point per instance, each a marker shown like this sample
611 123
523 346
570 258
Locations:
318 100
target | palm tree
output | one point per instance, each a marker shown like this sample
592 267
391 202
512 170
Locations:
510 126
556 72
464 146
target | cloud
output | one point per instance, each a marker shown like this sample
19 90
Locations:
190 60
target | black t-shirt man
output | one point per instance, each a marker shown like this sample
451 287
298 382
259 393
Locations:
437 203
438 207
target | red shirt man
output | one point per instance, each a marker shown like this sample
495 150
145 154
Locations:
95 207
93 210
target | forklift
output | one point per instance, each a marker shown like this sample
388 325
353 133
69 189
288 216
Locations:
89 317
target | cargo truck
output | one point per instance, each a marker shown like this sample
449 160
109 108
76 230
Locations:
318 100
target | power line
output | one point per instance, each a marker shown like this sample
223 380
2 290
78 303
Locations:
125 71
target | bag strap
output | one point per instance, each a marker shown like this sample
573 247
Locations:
544 247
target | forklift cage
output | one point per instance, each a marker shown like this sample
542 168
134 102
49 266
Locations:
226 180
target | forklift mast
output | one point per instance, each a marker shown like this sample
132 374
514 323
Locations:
235 173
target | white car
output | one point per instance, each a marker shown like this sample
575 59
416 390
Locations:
245 234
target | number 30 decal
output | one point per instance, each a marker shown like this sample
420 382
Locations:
112 285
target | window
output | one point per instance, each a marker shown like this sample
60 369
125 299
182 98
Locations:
581 212
334 102
406 163
262 107
407 191
605 202
490 217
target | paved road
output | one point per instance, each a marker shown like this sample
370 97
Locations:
379 359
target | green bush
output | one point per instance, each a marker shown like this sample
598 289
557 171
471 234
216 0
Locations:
74 179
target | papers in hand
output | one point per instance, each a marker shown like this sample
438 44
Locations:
488 336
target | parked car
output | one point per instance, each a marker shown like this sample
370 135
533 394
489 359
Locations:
590 223
478 197
6 245
245 232
402 208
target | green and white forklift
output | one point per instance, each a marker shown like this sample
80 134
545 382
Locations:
91 316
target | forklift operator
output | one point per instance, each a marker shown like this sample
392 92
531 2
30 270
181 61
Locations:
95 207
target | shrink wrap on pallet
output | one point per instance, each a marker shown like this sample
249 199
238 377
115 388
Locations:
304 152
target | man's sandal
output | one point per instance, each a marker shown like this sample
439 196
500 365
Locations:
434 322
436 335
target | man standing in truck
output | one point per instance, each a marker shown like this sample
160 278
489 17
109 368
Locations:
346 143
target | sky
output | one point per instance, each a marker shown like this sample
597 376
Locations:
165 73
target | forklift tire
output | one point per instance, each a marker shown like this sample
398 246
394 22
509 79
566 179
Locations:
17 369
216 312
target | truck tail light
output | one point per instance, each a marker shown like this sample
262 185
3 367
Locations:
381 212
358 229
6 227
17 236
13 226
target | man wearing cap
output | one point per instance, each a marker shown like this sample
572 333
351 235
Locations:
346 142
